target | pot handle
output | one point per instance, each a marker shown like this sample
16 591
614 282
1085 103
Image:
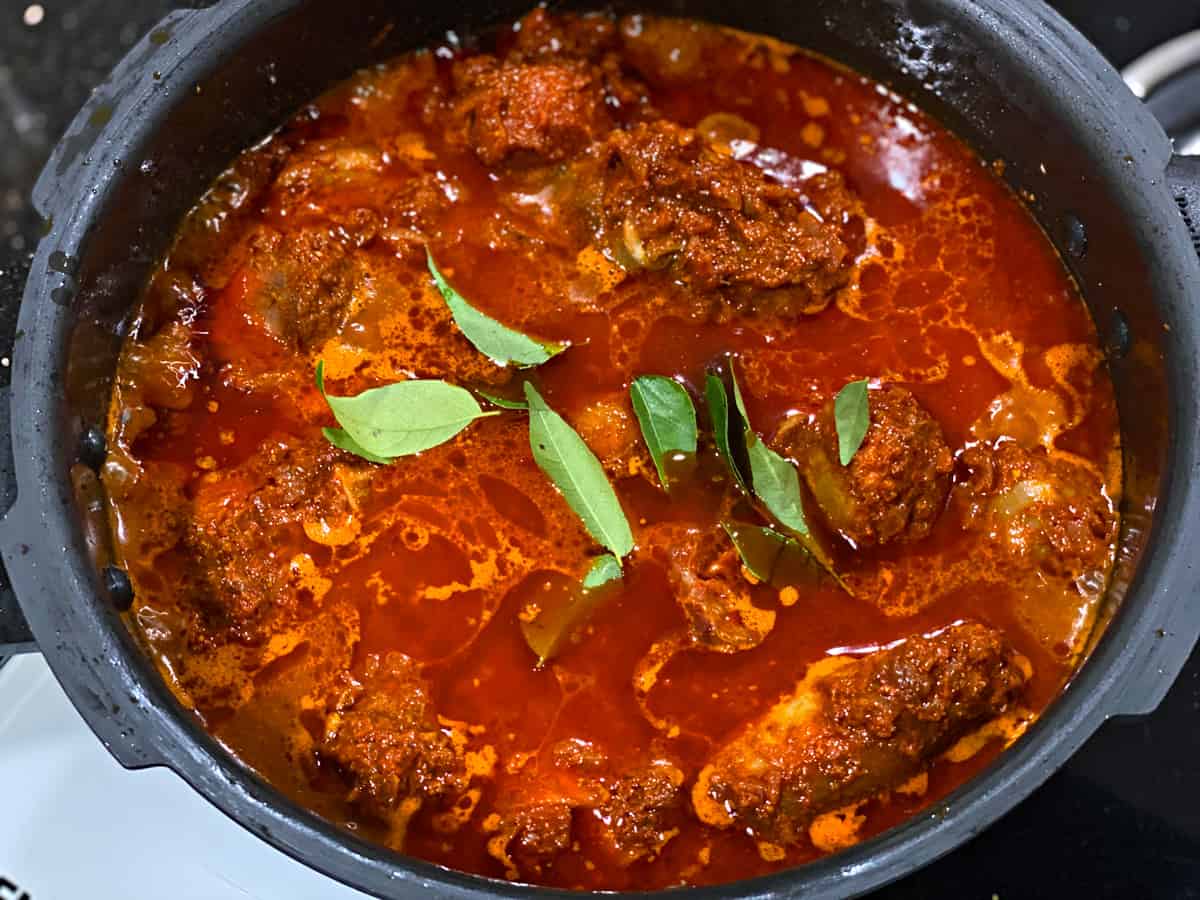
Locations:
1183 178
1163 658
15 636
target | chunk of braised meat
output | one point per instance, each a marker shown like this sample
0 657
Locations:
162 369
896 485
631 812
1048 511
532 835
642 812
610 429
301 287
705 573
542 35
241 515
856 727
657 196
534 112
386 737
579 35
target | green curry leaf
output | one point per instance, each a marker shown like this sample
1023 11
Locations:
399 419
775 480
604 569
772 557
575 471
565 606
342 440
777 484
664 410
497 341
502 402
718 411
852 416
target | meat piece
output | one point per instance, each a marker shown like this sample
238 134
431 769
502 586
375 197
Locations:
162 369
301 286
528 112
631 813
658 197
530 834
322 176
1047 511
542 33
896 485
276 498
705 572
610 429
637 818
411 212
856 727
590 37
385 735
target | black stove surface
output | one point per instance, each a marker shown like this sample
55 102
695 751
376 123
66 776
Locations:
1121 819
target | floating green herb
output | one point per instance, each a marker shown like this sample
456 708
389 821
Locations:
772 557
776 484
664 410
498 341
852 416
575 471
718 411
341 439
564 606
775 480
502 402
398 419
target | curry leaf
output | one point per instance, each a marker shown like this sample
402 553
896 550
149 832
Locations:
777 484
852 416
340 439
575 471
772 557
502 402
775 480
606 568
718 411
664 410
566 606
399 419
498 341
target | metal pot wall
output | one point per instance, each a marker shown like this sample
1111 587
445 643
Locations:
1008 75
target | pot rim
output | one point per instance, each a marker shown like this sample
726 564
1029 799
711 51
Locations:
101 667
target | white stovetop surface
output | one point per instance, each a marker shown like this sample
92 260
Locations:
74 824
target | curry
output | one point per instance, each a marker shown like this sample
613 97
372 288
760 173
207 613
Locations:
613 454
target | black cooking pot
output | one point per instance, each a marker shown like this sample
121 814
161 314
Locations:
1011 77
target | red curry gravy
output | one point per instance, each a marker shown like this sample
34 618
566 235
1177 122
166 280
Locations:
352 631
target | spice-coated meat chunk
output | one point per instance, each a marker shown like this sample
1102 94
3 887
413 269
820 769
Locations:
1046 510
241 516
657 196
639 816
632 812
301 286
533 112
856 727
387 738
539 832
542 33
705 573
896 485
609 428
